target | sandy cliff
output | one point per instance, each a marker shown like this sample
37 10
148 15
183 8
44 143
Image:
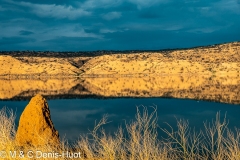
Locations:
38 66
221 59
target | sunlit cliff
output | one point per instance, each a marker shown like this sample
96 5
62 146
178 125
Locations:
218 60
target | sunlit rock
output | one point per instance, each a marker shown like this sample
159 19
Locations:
35 125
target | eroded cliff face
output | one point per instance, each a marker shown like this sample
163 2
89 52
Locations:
13 66
216 60
32 67
224 89
221 59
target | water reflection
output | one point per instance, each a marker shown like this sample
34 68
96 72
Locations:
73 117
225 89
118 97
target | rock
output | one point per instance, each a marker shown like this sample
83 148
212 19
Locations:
35 126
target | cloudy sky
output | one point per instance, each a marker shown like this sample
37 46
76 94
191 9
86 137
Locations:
83 25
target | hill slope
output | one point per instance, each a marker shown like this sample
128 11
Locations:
221 59
38 66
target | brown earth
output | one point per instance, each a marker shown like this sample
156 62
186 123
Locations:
35 126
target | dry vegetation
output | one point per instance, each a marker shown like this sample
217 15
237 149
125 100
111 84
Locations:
34 67
214 60
139 141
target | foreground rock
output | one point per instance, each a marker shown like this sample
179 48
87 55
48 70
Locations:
35 125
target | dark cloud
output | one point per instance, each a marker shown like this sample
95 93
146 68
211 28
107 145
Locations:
25 32
14 40
58 2
149 14
119 25
72 43
92 30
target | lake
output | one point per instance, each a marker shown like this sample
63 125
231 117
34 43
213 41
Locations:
75 104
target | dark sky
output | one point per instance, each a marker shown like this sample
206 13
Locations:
71 25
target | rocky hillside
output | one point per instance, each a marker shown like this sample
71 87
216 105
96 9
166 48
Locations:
221 59
20 67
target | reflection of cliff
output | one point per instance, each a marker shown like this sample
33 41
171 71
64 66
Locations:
19 89
221 89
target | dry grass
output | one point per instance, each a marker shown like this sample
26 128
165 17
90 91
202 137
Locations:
216 60
139 140
220 59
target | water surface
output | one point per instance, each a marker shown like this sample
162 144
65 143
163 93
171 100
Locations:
73 117
76 104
